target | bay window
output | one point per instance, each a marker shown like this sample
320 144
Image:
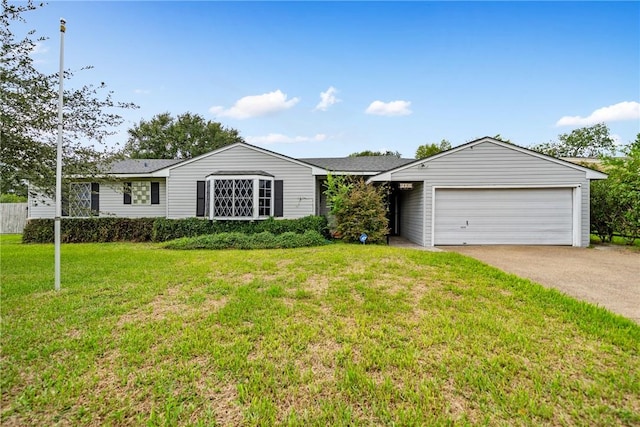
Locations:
238 195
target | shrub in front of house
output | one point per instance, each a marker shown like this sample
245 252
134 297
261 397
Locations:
357 208
170 229
262 240
89 230
106 229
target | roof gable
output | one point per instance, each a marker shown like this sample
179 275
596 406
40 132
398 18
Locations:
315 169
590 173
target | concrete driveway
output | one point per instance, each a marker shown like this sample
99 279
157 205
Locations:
608 276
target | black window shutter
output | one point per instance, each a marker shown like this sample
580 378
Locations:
278 199
95 198
127 193
155 193
200 196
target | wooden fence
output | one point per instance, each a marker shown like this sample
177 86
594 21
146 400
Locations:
13 217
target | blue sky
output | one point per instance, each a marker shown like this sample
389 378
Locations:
329 78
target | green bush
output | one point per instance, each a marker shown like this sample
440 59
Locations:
605 210
87 230
106 229
615 202
12 198
170 229
262 240
361 209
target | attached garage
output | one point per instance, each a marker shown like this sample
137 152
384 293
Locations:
489 192
503 216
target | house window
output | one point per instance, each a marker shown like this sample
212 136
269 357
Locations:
79 199
82 200
141 193
264 197
237 196
233 198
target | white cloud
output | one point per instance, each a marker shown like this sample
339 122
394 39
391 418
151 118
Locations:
393 108
616 139
628 110
38 48
256 105
275 138
327 99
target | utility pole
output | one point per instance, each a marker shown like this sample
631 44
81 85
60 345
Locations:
58 217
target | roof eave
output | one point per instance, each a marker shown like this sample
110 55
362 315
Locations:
350 172
593 174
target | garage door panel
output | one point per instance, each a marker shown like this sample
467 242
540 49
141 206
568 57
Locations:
504 216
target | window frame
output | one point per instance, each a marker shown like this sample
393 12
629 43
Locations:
73 193
255 195
128 188
140 187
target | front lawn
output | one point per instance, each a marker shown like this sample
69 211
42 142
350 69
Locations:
332 335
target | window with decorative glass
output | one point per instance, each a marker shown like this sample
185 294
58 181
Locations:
239 196
79 199
141 193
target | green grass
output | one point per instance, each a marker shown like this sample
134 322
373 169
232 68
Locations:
618 241
332 335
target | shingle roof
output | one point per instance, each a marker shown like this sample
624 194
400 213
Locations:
140 165
358 164
338 164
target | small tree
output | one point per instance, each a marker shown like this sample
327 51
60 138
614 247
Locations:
29 114
428 150
356 208
604 210
624 175
337 192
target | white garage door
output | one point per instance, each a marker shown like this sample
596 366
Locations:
531 216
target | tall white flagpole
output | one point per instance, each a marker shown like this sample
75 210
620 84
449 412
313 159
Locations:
59 160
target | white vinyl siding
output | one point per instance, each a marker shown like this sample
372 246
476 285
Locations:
298 181
532 216
489 164
412 213
112 201
40 206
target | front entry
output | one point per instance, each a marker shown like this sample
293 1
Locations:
393 209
